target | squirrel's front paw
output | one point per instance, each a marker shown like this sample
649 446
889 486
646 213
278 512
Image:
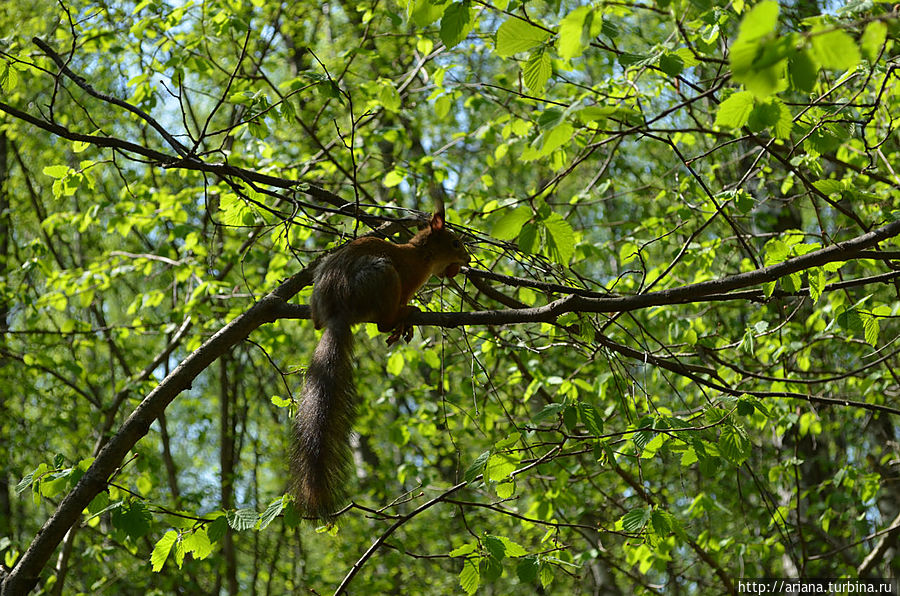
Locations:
401 330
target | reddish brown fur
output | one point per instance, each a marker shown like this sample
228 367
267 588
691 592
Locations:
368 280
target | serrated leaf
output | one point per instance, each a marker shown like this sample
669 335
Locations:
529 239
217 528
828 187
470 576
835 50
456 23
591 419
761 20
816 279
198 544
424 12
477 467
802 72
688 457
464 549
560 238
494 546
161 550
671 64
513 549
242 519
516 35
734 444
505 489
735 111
510 224
58 171
500 466
635 520
271 512
871 328
546 575
873 39
527 570
575 31
537 71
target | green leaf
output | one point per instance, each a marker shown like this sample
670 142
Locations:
161 550
513 549
760 21
494 546
271 513
456 23
217 528
735 111
802 72
537 71
393 178
527 570
464 549
816 279
529 239
505 489
734 444
560 238
424 12
516 35
58 171
689 457
635 520
591 419
500 466
870 329
671 64
477 467
829 186
242 519
395 363
470 576
835 50
510 224
576 30
9 78
132 518
197 543
873 39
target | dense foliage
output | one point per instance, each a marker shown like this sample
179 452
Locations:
669 366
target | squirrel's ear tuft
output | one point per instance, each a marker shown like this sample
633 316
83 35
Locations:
437 220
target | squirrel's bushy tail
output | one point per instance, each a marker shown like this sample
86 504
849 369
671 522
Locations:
320 449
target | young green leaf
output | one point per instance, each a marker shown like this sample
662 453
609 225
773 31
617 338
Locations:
161 550
735 111
510 224
470 576
516 35
835 50
537 71
456 23
560 238
576 30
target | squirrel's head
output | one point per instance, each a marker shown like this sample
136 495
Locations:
443 248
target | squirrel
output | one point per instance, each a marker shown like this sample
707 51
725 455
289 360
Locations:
367 280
